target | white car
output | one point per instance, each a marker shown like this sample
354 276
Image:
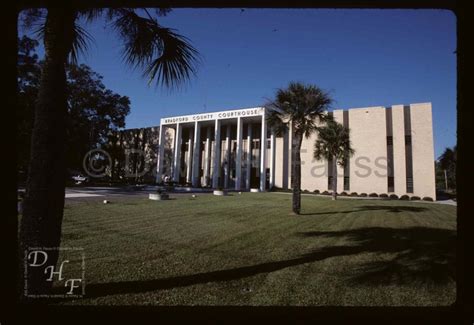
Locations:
79 179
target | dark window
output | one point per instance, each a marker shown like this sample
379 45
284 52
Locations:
407 140
391 184
329 182
256 144
409 185
389 141
346 183
269 143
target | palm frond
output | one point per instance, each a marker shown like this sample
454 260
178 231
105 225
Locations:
333 142
275 122
32 18
91 14
160 52
163 11
80 44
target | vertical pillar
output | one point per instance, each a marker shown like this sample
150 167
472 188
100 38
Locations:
189 157
161 152
263 154
238 158
207 153
196 153
249 155
227 156
217 154
290 154
272 159
177 152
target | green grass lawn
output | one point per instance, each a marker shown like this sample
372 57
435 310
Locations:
249 250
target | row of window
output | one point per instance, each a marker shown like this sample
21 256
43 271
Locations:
346 183
407 140
391 184
409 179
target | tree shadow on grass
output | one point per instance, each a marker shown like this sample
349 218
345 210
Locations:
387 208
420 255
425 254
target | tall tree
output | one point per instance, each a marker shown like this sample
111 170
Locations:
298 108
92 109
333 144
447 163
163 55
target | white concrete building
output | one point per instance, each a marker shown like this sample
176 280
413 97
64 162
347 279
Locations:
394 152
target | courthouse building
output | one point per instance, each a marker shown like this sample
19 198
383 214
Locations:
236 149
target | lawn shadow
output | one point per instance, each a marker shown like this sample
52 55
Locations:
391 209
423 254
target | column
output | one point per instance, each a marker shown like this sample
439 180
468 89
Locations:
290 154
161 153
263 154
196 154
189 157
238 156
249 155
227 156
207 153
272 159
177 152
217 154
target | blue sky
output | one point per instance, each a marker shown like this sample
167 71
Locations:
362 57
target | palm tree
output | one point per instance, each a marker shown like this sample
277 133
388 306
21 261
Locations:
163 55
333 144
298 108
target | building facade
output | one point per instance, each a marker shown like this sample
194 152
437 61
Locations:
394 152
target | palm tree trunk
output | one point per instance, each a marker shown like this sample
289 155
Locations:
334 178
44 200
296 173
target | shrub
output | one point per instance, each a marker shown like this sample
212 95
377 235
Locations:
354 194
415 198
325 193
427 198
362 194
344 194
394 196
316 191
404 197
305 191
383 195
373 195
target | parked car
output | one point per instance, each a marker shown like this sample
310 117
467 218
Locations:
79 178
